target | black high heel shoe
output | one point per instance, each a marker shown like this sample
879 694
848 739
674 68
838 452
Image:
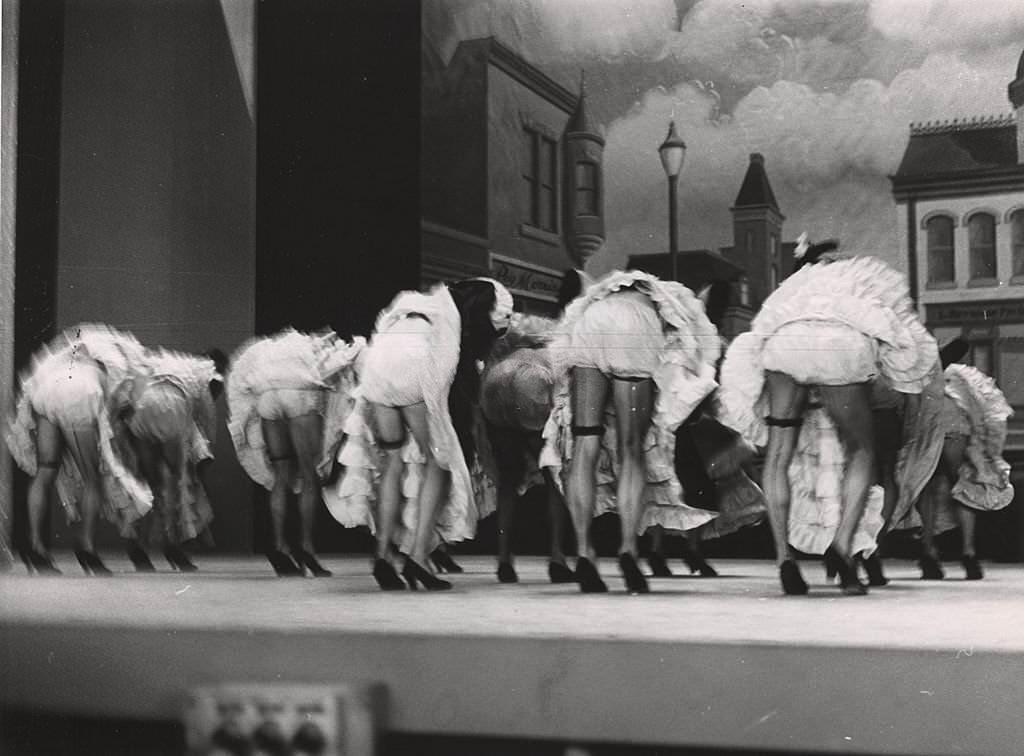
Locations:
507 573
972 567
588 578
386 577
849 581
700 567
560 573
635 580
140 559
873 568
659 567
283 564
792 581
930 568
414 573
307 560
178 559
38 563
443 562
91 563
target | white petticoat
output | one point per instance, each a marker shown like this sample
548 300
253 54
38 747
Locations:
620 335
683 376
820 353
70 394
393 365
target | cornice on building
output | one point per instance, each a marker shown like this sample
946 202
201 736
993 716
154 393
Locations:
510 62
950 126
963 183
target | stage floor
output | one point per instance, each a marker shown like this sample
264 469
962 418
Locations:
914 667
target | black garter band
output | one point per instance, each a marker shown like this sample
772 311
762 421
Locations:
390 445
631 378
588 430
784 422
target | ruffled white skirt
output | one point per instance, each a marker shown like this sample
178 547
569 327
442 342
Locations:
820 353
620 335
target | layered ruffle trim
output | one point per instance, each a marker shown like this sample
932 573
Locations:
289 360
984 476
352 501
816 484
862 293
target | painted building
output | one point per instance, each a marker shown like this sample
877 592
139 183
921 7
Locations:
753 266
511 173
959 194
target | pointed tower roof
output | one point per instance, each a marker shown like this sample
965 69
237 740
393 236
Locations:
1016 89
580 121
755 190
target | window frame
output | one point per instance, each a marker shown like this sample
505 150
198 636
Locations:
930 281
536 137
969 222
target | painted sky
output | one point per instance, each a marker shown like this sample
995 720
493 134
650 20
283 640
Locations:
824 89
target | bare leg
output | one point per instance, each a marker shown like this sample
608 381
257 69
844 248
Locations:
967 518
506 511
307 436
84 447
432 487
589 394
634 401
555 505
850 409
281 453
786 400
390 432
49 449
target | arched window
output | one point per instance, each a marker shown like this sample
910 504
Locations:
981 235
940 250
1017 242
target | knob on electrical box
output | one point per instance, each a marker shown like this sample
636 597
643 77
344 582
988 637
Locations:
275 719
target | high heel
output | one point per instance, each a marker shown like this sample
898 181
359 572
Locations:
659 567
507 573
873 568
588 578
307 560
972 567
443 561
635 580
38 562
178 559
930 568
283 564
386 577
559 572
140 559
700 567
792 581
415 573
91 563
849 582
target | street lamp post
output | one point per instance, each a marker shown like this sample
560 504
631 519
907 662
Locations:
672 153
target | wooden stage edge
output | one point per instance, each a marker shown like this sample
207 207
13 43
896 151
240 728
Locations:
912 668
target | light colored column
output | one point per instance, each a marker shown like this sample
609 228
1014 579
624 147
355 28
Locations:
8 165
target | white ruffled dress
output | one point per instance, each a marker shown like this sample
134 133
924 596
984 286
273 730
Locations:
290 360
836 323
65 386
680 356
177 387
412 357
971 405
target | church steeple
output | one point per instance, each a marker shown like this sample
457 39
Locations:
584 182
757 231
